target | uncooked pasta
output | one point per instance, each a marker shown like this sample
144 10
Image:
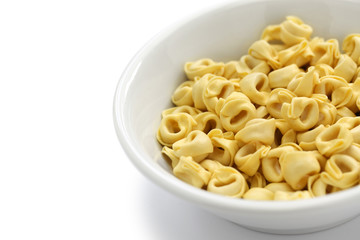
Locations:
280 123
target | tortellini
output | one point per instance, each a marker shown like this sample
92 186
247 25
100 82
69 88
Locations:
333 139
341 171
191 172
183 94
297 166
175 127
280 123
202 67
301 113
281 186
353 151
270 164
206 121
196 144
227 181
317 187
326 52
235 111
303 84
345 67
246 65
276 99
290 32
181 109
258 180
351 46
256 87
224 147
281 78
299 54
215 89
307 139
262 50
251 132
248 158
328 113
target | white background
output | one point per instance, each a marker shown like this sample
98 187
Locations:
63 174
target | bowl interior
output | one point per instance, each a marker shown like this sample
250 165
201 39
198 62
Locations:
222 34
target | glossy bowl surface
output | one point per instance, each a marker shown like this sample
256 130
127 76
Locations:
224 33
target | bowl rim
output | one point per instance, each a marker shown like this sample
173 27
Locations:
182 189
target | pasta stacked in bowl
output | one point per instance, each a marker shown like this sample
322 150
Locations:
279 124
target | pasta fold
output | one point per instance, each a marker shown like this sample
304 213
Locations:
235 111
353 151
344 112
183 94
341 96
257 180
334 139
271 33
211 165
169 152
280 195
233 69
306 140
303 84
250 132
326 52
345 67
191 172
196 145
327 112
256 87
328 84
280 186
324 70
224 147
201 67
341 171
174 127
270 164
198 90
297 166
259 194
291 31
251 64
301 114
317 187
206 121
217 87
276 99
353 124
355 94
262 112
227 181
246 65
281 78
247 159
181 109
299 54
351 46
262 50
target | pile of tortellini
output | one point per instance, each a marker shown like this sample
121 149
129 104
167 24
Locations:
279 124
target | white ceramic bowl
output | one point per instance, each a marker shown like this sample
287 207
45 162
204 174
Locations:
223 34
